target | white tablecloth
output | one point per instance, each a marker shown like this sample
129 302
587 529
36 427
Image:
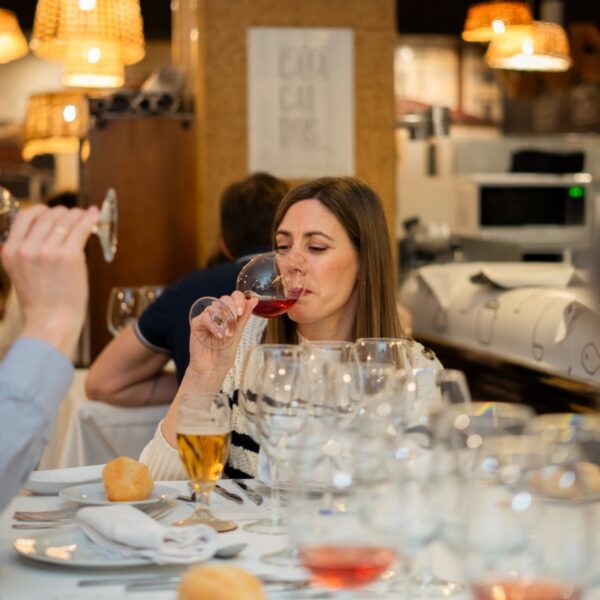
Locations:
25 579
91 433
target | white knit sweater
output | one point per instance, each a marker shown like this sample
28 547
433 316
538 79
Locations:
163 460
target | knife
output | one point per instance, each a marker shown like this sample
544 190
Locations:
218 490
227 494
254 496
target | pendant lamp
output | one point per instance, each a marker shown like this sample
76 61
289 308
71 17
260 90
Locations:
56 122
542 46
487 20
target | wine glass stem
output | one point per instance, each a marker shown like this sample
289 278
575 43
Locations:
202 503
275 493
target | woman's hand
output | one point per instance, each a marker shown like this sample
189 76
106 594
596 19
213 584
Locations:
209 364
213 347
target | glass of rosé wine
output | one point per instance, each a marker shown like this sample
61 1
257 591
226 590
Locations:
274 278
529 520
343 509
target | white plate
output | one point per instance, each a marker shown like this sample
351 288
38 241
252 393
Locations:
94 495
55 480
70 547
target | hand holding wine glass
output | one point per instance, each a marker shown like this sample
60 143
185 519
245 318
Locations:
105 228
273 282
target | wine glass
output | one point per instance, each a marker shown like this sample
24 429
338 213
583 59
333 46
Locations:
528 529
105 229
123 308
148 294
421 395
345 524
203 433
335 378
253 372
461 429
276 279
283 410
396 352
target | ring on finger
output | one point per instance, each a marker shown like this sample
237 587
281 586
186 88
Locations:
61 231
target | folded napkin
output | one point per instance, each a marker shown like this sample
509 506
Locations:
128 532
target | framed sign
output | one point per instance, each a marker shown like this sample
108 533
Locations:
301 101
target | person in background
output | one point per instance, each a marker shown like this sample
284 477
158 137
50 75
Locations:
45 260
129 371
338 225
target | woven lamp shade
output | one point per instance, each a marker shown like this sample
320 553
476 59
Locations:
93 38
55 123
88 66
542 46
13 44
487 20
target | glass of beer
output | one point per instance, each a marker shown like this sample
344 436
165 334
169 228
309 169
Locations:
203 432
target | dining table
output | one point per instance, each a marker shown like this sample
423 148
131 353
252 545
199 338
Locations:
27 578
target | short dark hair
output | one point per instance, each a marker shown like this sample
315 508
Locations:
247 211
67 199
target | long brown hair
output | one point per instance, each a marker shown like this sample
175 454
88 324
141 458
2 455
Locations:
358 209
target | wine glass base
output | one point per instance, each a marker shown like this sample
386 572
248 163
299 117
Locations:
437 586
431 586
268 526
218 525
288 557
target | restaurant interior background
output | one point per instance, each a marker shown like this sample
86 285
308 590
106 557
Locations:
435 130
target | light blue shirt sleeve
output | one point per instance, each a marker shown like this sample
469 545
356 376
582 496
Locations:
34 378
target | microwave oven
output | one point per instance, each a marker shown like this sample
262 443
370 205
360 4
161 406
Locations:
542 213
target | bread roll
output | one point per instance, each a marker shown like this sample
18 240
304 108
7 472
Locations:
219 583
126 480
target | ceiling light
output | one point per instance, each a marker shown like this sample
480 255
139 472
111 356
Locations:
94 40
13 44
487 20
542 46
56 123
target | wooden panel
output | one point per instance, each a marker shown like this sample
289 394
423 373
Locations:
150 163
221 95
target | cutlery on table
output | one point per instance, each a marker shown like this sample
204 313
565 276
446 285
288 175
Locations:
172 580
250 493
58 518
219 490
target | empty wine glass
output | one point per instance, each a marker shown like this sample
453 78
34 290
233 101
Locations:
203 435
396 352
283 410
335 379
251 381
420 397
275 279
105 229
123 308
148 294
460 430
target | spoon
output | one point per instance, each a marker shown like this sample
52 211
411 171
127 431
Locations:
230 551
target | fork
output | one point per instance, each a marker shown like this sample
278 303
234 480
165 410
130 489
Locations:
46 520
